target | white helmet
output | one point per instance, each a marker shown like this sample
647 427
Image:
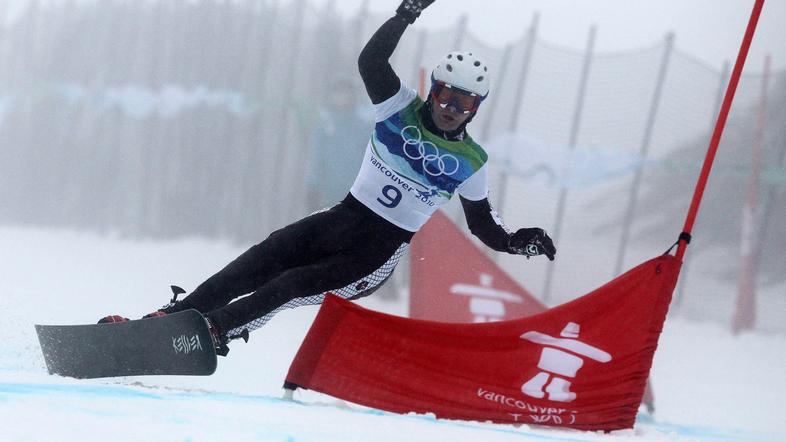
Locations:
465 71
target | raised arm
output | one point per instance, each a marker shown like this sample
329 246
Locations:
378 76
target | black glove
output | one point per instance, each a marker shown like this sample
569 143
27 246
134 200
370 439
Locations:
531 242
409 10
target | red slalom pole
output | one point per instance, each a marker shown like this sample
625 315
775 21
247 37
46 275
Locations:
701 184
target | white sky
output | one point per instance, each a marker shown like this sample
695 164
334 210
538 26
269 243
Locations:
709 29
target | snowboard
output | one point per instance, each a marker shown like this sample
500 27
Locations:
176 344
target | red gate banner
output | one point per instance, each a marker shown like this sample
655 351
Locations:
581 365
454 281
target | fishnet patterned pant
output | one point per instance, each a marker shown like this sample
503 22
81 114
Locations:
357 289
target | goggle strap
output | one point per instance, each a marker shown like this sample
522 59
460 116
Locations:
461 91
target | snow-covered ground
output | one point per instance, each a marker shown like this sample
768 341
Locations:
708 384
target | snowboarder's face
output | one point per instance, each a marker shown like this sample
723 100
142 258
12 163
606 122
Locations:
451 105
448 118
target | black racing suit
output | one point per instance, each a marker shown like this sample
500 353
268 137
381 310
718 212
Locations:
344 249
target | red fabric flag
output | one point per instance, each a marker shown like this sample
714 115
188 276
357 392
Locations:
580 365
454 281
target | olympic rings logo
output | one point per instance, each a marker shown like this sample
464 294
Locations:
434 164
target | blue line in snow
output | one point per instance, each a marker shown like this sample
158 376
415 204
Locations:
93 390
144 392
164 394
129 391
704 432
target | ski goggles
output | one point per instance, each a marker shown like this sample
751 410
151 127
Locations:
446 95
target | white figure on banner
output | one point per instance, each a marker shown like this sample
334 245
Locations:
486 303
559 361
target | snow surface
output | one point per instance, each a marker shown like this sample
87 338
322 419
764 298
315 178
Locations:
709 384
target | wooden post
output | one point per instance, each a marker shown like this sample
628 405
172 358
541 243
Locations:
643 151
745 312
493 102
724 78
573 139
517 101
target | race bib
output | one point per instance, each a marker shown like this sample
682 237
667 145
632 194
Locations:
408 173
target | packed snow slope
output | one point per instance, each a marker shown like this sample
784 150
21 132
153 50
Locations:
709 384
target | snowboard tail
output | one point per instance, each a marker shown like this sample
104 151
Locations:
176 344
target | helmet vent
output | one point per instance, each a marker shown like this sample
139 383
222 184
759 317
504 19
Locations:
462 70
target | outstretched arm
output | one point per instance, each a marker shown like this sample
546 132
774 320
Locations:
484 223
378 76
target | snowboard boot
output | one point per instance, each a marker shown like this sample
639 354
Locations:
165 310
111 319
156 314
220 340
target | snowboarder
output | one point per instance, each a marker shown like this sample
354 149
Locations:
419 155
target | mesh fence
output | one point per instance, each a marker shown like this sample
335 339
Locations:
170 118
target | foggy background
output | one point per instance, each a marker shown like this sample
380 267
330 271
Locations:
220 119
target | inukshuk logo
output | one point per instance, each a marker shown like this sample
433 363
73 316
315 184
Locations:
560 361
186 344
486 303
